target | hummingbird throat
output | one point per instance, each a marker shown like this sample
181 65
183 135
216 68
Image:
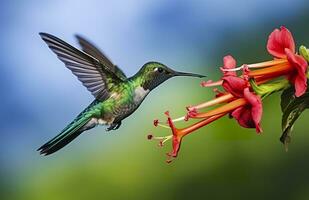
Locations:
139 94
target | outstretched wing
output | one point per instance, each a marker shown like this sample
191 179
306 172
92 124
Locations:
94 76
92 50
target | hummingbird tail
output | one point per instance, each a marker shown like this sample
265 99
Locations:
69 133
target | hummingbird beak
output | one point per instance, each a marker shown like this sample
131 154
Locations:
188 74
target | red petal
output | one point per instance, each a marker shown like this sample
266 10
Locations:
229 63
256 108
243 116
298 78
234 85
218 93
176 142
177 136
278 41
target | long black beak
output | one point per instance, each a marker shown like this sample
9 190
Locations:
188 74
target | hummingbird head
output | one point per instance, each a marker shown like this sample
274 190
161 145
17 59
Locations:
155 73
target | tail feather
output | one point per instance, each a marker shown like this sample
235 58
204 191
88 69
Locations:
68 134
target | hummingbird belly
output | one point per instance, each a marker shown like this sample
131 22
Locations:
94 122
120 105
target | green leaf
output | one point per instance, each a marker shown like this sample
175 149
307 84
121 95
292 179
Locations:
292 107
287 97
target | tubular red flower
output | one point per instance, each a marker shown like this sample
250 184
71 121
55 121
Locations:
281 45
278 41
256 108
248 115
231 83
178 134
298 76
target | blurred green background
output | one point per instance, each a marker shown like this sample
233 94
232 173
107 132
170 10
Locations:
39 97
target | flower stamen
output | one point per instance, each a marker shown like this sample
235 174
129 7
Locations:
161 139
183 118
163 126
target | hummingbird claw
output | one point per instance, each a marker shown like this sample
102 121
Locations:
114 126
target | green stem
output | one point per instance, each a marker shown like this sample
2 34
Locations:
267 89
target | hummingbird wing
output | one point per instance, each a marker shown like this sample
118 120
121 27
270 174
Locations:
97 78
92 50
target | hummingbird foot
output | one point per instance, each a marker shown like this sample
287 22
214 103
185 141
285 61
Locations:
114 126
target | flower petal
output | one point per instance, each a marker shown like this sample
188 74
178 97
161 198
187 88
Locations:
298 78
229 63
256 108
177 137
234 85
278 41
243 116
176 142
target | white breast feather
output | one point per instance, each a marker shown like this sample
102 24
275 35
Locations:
139 94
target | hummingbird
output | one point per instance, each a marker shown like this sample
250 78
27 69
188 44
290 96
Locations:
116 95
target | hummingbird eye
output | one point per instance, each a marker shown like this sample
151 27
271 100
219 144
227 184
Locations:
159 69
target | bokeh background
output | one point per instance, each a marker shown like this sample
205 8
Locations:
39 96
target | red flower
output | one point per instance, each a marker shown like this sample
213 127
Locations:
178 134
278 41
298 76
281 45
240 99
231 83
249 115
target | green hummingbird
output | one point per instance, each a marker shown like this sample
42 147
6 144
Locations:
116 96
